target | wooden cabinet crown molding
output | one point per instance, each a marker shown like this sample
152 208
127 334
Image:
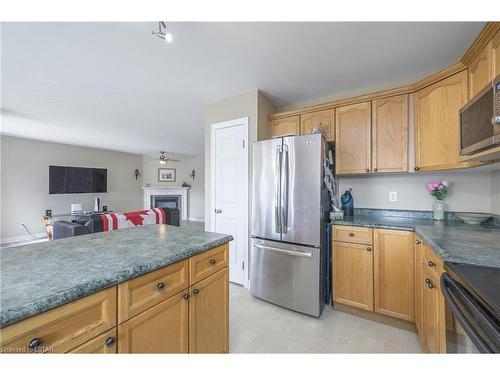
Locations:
488 31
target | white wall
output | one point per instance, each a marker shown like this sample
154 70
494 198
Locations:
25 183
495 192
470 190
183 167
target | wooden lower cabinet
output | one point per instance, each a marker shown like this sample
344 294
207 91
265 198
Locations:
434 316
209 314
353 274
160 329
419 283
394 273
102 344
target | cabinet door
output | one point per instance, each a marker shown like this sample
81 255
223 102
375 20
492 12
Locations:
209 314
321 119
285 126
495 55
353 138
390 134
160 329
102 344
480 71
434 314
353 275
394 273
419 289
436 123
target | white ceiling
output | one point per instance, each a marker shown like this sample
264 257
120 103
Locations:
115 86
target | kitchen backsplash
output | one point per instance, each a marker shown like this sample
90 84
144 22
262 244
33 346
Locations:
470 191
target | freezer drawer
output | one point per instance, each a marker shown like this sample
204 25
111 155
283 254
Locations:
287 275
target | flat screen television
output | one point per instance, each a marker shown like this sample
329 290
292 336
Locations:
73 180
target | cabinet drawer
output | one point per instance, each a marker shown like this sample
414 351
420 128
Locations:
145 291
352 234
64 328
102 344
432 264
208 263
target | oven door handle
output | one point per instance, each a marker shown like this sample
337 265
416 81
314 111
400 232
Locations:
448 285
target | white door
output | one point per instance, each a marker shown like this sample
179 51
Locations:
231 193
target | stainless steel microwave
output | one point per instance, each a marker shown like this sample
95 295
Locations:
480 120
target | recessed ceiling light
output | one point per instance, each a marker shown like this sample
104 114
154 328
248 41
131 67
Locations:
162 32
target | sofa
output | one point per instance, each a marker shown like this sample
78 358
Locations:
103 222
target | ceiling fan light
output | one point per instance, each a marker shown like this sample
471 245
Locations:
168 37
162 161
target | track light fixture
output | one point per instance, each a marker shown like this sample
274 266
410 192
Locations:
162 32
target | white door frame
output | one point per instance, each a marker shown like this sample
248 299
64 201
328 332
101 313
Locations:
227 124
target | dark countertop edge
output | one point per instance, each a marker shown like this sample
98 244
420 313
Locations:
84 290
442 253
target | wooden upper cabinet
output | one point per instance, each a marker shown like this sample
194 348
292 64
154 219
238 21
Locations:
209 314
390 134
495 54
285 126
353 274
480 70
394 273
353 138
436 123
321 119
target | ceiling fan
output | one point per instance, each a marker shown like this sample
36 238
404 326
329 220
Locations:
163 158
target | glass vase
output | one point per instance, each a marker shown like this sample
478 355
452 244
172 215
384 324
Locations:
438 209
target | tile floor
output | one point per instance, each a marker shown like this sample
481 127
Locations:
257 326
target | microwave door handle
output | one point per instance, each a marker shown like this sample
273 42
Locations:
447 283
277 196
284 190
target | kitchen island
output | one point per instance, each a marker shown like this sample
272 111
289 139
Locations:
142 289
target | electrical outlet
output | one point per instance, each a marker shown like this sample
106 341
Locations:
393 196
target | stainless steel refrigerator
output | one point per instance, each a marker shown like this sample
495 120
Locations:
290 205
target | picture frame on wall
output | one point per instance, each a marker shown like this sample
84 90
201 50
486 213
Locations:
166 174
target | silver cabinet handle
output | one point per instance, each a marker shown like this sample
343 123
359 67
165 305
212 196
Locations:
288 252
277 198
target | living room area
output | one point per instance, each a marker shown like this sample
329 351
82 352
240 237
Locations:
135 183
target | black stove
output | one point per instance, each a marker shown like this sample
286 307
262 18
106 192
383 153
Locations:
472 293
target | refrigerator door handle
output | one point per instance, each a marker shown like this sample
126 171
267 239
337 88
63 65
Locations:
288 252
284 190
277 198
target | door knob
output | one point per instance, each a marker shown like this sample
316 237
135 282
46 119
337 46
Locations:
196 291
369 248
218 211
211 261
417 242
160 285
431 263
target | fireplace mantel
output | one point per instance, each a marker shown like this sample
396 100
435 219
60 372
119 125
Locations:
150 191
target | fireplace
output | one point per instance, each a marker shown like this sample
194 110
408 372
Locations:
166 201
167 197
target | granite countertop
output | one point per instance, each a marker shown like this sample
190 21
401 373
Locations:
38 277
453 241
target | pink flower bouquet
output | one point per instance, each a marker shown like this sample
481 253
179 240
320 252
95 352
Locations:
438 190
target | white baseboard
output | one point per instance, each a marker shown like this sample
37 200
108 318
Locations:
193 218
26 238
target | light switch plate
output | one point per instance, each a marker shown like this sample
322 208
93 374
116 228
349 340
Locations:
393 196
